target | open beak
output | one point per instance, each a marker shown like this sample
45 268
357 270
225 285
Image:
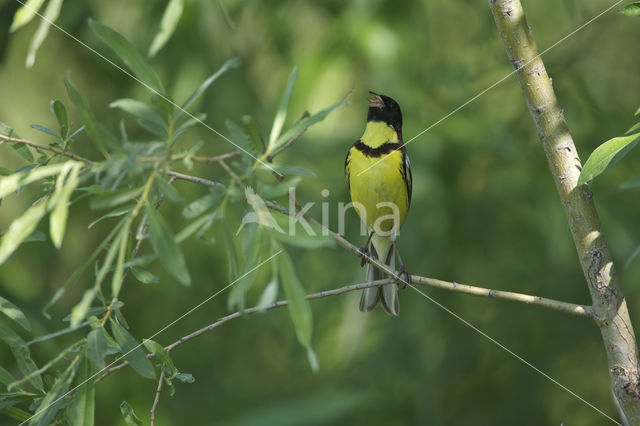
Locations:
375 101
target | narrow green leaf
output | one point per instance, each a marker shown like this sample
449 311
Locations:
299 307
144 276
21 149
269 294
13 312
86 116
122 239
5 376
79 311
279 189
185 378
606 155
170 19
82 412
129 415
157 349
300 233
247 274
5 172
115 198
27 366
164 244
632 9
60 200
302 125
281 114
232 253
45 130
633 256
204 203
13 182
129 55
238 136
230 63
637 112
20 229
50 15
140 110
199 225
113 213
168 191
252 129
132 351
633 183
285 169
313 359
51 403
60 113
25 14
634 129
9 336
97 347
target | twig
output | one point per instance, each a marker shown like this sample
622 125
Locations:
285 146
194 179
46 148
233 175
157 398
144 159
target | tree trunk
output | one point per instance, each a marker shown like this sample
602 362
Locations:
609 305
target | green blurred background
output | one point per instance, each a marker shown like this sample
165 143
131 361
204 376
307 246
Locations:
484 211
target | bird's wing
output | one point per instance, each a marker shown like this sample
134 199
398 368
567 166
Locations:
406 173
347 164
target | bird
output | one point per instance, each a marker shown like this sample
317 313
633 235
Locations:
379 181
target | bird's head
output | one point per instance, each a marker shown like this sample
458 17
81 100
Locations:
383 108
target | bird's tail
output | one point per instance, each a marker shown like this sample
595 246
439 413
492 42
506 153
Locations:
380 248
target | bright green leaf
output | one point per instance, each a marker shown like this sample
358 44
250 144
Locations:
66 183
13 182
203 204
164 244
269 294
121 239
13 312
25 14
82 412
140 110
606 155
162 355
199 225
129 55
114 213
20 229
230 63
170 19
132 351
144 276
281 114
129 415
50 15
632 9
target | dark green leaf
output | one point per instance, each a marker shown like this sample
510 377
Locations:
162 355
199 225
288 170
281 114
132 351
129 55
633 183
50 15
13 312
633 256
6 377
252 129
204 203
239 137
26 365
97 347
85 115
305 123
247 273
21 149
114 213
5 172
230 63
279 189
606 155
121 239
129 415
60 113
164 244
51 403
65 185
632 9
144 276
169 192
9 336
115 198
185 378
140 110
299 307
82 410
44 130
170 19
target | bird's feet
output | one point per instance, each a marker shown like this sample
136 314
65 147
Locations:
364 253
404 277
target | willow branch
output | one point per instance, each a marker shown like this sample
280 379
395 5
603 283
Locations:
194 179
156 399
609 305
45 148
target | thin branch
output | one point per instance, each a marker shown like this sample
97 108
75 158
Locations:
285 146
194 179
233 175
157 398
46 148
144 159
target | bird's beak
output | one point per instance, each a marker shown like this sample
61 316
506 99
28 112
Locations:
375 101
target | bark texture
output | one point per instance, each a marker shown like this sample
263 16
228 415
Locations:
609 305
